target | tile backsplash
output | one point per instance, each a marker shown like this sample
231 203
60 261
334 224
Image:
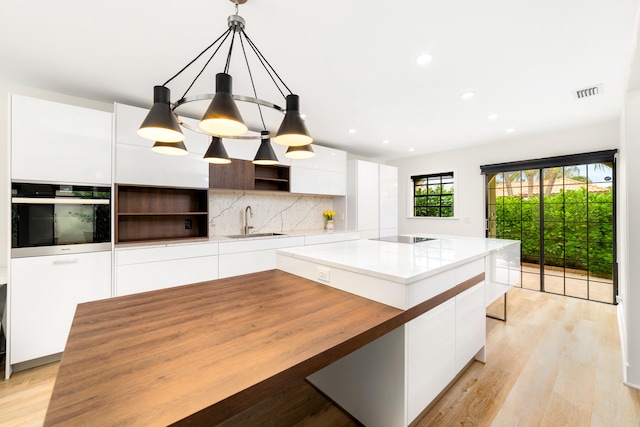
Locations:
272 212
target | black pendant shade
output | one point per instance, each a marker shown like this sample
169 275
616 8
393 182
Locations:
170 148
222 117
216 153
293 131
265 154
302 152
161 124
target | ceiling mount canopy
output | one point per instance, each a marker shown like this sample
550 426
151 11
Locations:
222 118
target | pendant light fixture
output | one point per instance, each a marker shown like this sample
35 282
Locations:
265 154
222 118
302 152
170 148
216 153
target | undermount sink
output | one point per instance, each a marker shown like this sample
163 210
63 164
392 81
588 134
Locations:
248 236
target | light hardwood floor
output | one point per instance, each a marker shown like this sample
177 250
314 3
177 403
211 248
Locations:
555 362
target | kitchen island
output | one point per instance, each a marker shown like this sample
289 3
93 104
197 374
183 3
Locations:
392 381
198 354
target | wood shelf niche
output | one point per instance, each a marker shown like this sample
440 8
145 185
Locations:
244 175
145 213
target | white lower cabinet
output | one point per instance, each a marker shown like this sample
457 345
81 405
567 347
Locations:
252 255
471 325
44 293
431 346
148 269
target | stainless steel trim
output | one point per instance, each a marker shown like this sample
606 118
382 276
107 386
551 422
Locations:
60 250
58 201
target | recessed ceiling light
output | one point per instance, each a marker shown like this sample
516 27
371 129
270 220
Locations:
352 131
510 130
386 141
412 149
492 116
468 95
425 58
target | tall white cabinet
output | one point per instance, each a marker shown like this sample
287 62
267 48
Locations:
372 199
57 143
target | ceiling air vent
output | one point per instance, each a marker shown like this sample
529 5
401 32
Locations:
589 91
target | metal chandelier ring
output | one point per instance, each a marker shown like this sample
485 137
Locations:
242 98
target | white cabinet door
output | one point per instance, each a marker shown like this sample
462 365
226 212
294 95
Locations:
137 164
59 143
363 198
431 345
44 294
246 256
148 269
149 276
470 324
388 178
326 173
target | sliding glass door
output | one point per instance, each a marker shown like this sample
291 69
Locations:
564 215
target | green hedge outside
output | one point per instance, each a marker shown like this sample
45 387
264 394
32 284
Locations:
578 229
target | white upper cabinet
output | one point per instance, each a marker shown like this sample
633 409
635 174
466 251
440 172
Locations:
59 142
136 163
326 173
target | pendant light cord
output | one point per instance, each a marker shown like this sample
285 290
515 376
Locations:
225 35
253 86
267 66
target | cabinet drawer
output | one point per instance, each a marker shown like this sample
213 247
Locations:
149 276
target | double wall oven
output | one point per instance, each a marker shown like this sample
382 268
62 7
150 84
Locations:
50 219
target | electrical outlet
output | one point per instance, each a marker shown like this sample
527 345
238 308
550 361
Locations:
323 274
188 224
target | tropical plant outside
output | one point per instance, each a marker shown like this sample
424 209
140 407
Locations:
578 228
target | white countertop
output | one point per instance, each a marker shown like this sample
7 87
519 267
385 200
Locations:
399 262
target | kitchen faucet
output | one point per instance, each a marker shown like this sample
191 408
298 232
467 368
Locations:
247 227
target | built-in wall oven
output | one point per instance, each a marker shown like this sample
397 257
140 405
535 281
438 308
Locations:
50 219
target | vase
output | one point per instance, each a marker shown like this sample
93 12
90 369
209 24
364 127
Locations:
329 225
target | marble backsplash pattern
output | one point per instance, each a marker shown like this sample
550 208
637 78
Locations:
272 212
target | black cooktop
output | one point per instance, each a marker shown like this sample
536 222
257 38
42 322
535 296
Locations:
404 239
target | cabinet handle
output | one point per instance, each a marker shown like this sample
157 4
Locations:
65 261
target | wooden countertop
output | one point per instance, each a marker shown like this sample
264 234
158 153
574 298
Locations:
197 354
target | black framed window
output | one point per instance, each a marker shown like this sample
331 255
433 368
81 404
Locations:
433 195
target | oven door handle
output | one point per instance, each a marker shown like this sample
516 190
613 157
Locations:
55 201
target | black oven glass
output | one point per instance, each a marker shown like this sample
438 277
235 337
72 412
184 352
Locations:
50 215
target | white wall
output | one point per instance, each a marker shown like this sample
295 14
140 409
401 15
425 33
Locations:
629 240
6 89
469 183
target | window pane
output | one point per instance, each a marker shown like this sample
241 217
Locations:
433 195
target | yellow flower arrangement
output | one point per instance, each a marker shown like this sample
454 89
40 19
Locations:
329 215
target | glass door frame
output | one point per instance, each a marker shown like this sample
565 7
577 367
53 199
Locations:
606 156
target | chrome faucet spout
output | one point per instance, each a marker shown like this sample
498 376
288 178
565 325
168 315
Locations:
247 227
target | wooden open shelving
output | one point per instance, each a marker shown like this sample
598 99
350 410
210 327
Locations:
244 175
145 213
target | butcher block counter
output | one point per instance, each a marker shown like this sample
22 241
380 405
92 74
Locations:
200 353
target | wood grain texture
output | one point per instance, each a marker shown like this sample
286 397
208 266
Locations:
205 351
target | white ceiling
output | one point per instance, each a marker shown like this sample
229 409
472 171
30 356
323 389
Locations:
353 62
